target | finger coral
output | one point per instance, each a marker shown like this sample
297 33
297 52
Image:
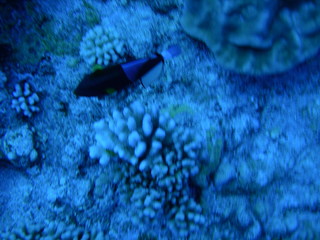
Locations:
25 100
101 45
158 159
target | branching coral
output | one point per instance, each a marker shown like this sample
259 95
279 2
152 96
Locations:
101 45
25 100
158 159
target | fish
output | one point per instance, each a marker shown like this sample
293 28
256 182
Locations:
117 77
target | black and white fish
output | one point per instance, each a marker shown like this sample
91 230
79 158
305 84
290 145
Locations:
117 77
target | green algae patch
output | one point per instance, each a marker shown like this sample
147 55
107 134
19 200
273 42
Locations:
175 110
215 148
91 14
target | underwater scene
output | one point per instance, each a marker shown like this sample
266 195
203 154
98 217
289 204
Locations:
159 119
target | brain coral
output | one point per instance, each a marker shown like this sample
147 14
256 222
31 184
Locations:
256 36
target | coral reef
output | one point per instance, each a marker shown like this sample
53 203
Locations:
101 45
158 159
256 37
52 230
18 147
25 99
209 154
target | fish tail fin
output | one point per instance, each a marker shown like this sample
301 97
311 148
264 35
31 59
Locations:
171 52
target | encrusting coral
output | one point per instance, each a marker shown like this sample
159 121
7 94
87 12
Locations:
256 37
18 147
